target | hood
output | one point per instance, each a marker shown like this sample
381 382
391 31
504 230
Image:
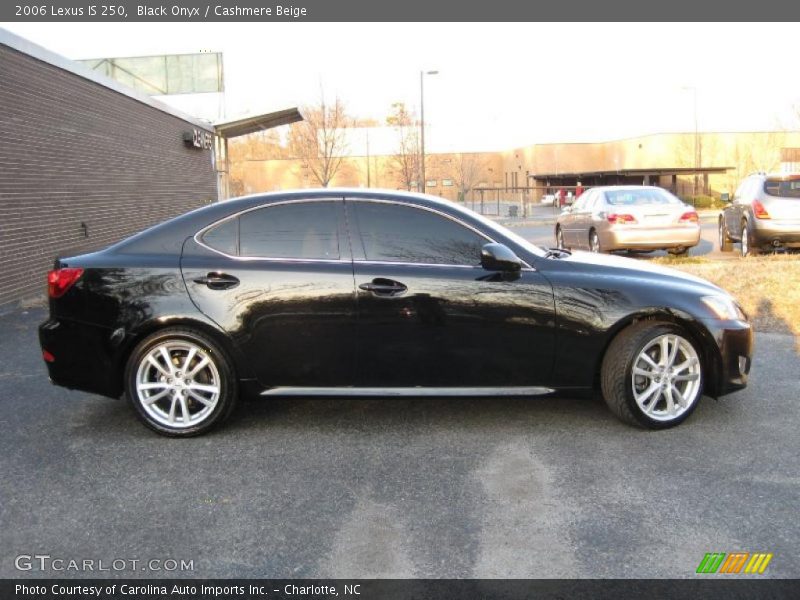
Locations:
621 266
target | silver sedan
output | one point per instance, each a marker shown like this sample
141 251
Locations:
639 218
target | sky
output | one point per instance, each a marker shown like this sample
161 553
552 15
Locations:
499 85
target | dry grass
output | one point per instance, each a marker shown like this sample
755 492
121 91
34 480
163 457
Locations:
768 287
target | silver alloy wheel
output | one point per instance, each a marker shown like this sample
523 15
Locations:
178 384
666 377
594 242
745 241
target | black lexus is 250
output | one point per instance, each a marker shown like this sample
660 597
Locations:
378 293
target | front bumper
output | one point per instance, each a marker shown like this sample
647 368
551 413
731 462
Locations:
733 359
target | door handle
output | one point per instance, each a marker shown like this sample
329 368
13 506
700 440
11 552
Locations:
218 281
384 287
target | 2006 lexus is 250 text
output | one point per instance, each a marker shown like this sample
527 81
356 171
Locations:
385 293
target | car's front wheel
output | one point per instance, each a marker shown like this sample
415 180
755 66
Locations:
652 375
180 382
725 244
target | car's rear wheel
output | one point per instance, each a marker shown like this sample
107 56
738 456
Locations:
180 382
652 375
725 243
747 248
594 242
560 238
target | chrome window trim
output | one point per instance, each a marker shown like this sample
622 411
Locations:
198 237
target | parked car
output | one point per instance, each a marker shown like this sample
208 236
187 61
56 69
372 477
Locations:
370 292
548 199
764 214
640 218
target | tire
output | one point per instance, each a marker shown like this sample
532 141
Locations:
594 242
746 247
725 243
185 406
560 238
626 392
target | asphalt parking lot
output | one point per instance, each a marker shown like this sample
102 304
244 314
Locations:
497 487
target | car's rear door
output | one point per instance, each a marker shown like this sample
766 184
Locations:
430 315
279 280
577 235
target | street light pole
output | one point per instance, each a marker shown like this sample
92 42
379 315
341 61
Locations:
422 74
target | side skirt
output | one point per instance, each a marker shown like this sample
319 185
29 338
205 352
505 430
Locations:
407 391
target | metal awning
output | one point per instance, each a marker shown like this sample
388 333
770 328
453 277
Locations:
243 126
653 171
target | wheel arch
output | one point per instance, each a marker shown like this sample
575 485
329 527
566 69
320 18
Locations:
151 326
709 353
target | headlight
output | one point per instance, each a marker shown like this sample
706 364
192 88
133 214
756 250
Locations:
724 307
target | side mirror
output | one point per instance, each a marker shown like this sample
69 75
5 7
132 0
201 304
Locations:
498 257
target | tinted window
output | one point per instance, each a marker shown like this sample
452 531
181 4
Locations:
303 230
640 197
396 233
222 237
786 188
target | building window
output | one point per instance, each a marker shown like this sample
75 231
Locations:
447 182
430 183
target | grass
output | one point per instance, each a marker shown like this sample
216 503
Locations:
767 287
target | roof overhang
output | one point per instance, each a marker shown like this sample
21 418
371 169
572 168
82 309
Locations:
637 172
236 127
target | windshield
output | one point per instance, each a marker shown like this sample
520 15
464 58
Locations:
517 239
640 197
785 188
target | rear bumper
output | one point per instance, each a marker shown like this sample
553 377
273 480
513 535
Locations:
634 238
734 340
770 231
82 356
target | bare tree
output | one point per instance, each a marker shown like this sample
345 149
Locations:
405 162
466 170
319 140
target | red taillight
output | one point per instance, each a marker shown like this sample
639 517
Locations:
759 211
48 357
689 217
60 280
620 219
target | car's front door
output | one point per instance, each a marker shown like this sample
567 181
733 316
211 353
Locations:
430 315
574 237
279 281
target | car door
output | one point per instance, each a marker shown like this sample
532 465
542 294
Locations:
430 315
578 224
734 212
279 280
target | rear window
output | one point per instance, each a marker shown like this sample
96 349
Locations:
785 188
640 197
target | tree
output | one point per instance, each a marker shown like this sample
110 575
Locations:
320 140
405 162
466 170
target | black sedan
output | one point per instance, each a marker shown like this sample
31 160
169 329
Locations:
370 292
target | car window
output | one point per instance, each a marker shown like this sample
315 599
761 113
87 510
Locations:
640 197
783 187
305 230
582 202
223 237
396 233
